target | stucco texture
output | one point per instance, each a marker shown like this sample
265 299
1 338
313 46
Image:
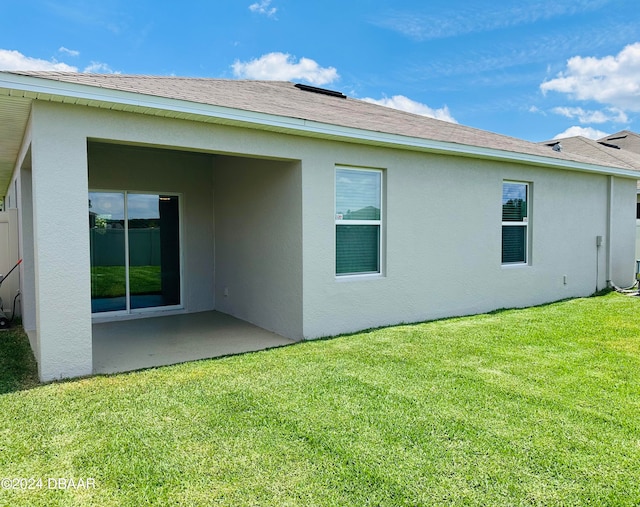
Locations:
258 227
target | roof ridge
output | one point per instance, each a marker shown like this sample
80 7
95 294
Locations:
282 100
45 73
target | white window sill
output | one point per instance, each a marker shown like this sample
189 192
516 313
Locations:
364 276
515 265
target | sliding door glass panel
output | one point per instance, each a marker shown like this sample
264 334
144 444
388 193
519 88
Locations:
107 242
154 253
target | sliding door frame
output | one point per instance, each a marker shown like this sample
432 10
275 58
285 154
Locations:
128 311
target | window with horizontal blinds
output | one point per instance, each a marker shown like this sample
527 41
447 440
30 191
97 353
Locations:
515 222
357 249
358 211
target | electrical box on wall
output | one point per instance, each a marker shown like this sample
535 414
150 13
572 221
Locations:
598 240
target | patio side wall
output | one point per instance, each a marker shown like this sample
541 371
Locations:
259 242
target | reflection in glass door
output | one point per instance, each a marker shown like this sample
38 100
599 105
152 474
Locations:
154 256
135 253
107 241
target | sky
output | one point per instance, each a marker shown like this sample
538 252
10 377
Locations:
532 69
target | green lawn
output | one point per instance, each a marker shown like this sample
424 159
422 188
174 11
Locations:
522 407
109 281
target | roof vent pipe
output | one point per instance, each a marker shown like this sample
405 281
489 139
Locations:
557 147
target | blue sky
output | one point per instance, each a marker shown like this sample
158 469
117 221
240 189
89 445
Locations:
532 69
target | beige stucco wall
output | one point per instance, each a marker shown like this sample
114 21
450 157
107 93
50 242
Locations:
623 221
265 202
61 253
259 242
443 240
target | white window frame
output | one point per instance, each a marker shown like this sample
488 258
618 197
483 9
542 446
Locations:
523 223
379 223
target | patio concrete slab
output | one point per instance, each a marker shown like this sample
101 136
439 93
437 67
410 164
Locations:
157 341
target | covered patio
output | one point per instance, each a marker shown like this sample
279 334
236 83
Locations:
128 345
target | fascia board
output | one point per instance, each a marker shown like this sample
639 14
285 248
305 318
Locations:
420 144
41 88
47 89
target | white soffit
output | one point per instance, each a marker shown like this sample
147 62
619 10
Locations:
14 114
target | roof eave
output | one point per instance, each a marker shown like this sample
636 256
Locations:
39 88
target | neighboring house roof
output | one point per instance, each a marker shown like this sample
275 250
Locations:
269 105
599 151
622 148
625 140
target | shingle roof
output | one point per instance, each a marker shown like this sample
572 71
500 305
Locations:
286 100
625 140
601 152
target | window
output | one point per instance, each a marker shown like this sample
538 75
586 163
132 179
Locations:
358 221
135 251
515 222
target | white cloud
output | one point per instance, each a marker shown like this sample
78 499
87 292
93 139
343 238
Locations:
98 68
587 132
14 60
411 106
537 110
70 52
263 7
282 67
611 80
481 17
610 114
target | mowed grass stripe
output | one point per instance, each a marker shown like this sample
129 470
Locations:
521 407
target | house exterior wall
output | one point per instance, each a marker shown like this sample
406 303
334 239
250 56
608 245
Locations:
441 228
27 253
623 220
259 242
61 245
442 239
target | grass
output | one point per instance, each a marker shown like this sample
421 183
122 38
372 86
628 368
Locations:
521 407
18 369
109 281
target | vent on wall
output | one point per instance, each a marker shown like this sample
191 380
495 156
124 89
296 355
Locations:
321 91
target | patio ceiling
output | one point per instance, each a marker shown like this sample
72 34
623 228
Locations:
14 114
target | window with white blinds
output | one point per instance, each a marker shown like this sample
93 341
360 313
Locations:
358 221
515 222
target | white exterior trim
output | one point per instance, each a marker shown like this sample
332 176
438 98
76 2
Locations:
379 223
56 91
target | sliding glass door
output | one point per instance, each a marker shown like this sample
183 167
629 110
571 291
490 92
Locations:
135 251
